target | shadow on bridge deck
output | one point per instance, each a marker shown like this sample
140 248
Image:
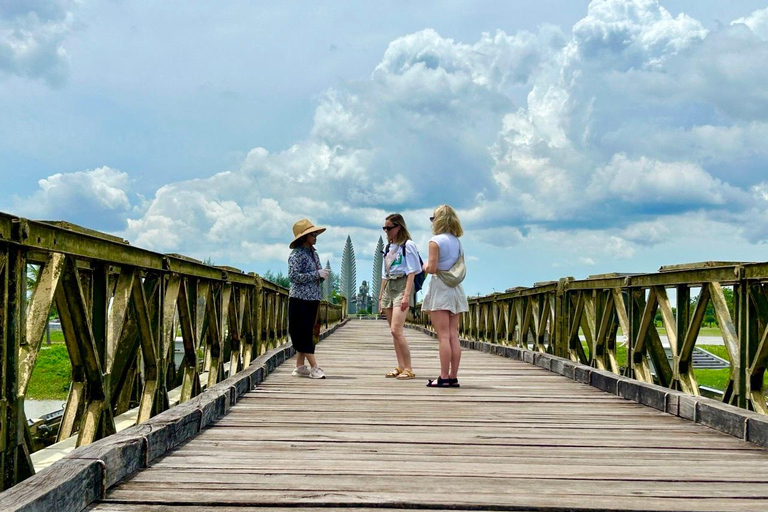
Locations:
513 437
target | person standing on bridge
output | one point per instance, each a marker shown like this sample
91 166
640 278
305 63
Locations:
401 264
445 300
305 274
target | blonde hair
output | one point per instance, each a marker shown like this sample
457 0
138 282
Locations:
402 234
446 221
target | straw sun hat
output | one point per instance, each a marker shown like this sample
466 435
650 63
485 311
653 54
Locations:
301 228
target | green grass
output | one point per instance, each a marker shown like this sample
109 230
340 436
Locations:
52 374
56 337
718 350
717 379
621 353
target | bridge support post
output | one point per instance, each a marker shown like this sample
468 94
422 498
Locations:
561 320
15 462
747 332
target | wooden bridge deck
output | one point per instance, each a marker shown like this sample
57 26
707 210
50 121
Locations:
513 437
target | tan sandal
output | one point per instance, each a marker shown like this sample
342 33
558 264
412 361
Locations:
395 372
406 374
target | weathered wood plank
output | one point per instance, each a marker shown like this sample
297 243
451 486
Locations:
513 437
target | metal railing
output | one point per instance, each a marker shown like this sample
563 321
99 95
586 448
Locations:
121 309
586 320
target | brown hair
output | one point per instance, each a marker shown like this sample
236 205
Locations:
446 221
402 235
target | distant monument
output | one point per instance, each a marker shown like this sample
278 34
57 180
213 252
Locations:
348 276
328 283
378 256
363 298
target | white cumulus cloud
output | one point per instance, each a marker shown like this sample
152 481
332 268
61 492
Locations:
757 23
31 39
604 136
96 198
651 181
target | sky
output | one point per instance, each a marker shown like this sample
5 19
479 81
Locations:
572 137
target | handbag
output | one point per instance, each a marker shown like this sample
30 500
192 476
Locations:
456 274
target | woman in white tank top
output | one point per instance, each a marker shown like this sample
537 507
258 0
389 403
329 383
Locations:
445 303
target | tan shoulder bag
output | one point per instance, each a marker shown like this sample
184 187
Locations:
456 274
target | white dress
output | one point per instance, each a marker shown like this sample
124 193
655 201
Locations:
440 296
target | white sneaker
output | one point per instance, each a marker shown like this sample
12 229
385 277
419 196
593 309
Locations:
316 373
301 371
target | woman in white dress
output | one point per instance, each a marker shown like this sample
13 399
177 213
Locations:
445 301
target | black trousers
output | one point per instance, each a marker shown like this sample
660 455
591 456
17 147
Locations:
301 322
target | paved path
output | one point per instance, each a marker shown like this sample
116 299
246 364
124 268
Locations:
513 437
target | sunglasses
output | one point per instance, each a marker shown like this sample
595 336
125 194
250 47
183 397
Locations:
431 219
388 228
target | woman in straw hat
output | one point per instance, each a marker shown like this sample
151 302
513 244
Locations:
305 274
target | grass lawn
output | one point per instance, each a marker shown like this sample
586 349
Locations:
52 374
717 379
718 350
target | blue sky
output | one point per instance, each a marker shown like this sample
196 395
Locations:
573 137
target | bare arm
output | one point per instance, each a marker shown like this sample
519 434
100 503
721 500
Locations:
430 267
407 294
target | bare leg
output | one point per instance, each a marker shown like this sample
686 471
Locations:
398 338
311 359
299 359
388 314
455 346
441 322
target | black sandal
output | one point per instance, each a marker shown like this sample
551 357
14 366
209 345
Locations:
454 383
439 383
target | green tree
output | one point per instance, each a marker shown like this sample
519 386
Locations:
279 278
729 300
709 315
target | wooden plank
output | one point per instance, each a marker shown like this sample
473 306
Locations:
513 437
